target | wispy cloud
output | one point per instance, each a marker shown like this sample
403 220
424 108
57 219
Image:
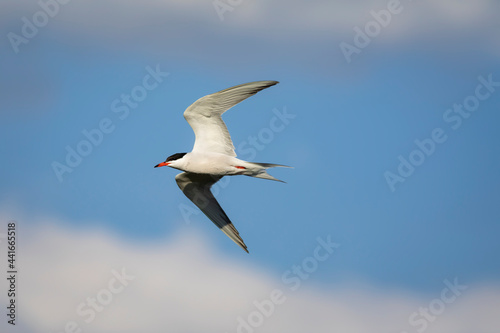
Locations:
163 24
183 285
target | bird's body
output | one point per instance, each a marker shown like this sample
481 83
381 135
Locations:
209 163
217 164
213 155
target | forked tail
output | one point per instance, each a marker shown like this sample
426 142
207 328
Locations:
260 170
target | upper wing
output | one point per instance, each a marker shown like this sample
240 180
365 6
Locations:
197 188
204 116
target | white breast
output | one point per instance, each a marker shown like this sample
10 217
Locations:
209 163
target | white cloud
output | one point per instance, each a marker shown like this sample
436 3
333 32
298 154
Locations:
175 26
183 285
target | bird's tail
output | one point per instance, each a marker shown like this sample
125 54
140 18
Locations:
260 170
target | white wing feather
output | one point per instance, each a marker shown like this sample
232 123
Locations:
204 116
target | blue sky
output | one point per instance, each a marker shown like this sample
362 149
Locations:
350 122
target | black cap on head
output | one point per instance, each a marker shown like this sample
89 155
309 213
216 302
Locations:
175 156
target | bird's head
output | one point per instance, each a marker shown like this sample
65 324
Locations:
172 161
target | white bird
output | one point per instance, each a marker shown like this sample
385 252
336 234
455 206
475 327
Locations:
213 155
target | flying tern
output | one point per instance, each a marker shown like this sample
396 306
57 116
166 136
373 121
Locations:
213 155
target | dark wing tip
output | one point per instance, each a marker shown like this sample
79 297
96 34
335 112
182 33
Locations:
269 83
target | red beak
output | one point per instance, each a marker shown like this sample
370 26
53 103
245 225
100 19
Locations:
162 164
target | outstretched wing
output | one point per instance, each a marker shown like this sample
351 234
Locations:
204 116
197 188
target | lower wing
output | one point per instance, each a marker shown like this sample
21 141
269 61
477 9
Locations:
197 188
